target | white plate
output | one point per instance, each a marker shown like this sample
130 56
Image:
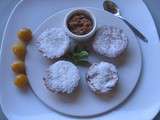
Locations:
142 105
129 67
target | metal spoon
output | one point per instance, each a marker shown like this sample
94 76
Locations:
110 6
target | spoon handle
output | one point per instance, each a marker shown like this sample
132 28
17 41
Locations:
137 32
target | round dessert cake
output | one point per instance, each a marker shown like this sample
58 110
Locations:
62 77
53 43
102 77
110 41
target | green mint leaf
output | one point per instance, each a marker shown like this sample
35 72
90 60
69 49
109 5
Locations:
83 54
80 55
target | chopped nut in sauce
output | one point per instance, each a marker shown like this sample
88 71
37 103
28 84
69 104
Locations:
80 24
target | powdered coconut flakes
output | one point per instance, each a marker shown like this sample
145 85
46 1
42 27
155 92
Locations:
102 77
53 43
110 41
62 77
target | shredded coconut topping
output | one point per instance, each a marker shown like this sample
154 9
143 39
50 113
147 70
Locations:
102 77
110 41
53 43
62 77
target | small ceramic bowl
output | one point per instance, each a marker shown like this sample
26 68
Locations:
86 36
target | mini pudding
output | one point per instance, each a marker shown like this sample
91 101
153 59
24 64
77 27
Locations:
62 77
53 43
110 41
102 77
80 24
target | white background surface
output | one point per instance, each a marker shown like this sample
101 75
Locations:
10 3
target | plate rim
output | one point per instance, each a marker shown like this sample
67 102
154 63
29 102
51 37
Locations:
136 83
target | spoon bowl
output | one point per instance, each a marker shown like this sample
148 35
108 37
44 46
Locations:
110 6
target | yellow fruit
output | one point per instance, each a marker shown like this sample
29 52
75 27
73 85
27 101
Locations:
21 81
25 35
18 67
19 49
